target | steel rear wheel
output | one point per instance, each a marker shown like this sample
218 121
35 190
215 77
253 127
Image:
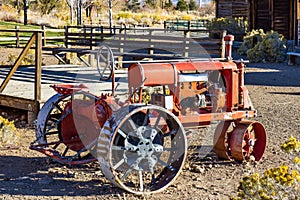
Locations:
66 145
248 139
142 149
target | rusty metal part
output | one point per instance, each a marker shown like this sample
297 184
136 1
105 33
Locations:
221 139
68 126
67 89
248 139
142 149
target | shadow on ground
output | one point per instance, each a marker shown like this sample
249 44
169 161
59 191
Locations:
31 176
272 74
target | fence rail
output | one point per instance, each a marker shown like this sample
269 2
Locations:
77 39
30 105
21 36
178 25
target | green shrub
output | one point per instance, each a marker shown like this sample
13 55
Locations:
124 15
264 47
276 183
9 135
250 40
231 25
29 58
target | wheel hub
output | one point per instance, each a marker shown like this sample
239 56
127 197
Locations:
148 145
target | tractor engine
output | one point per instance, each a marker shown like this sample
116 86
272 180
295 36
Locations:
188 88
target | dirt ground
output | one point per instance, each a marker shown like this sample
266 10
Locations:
275 93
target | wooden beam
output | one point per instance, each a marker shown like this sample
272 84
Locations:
38 66
17 63
19 103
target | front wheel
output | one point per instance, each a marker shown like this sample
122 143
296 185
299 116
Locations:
142 149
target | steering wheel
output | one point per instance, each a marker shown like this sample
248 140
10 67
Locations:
105 62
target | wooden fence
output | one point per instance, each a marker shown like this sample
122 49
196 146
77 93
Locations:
140 43
190 43
177 25
21 36
31 105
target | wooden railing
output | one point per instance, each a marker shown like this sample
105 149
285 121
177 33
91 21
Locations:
179 25
21 36
122 39
139 43
31 105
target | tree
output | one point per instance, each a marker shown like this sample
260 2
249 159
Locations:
151 3
133 5
169 5
46 6
192 5
181 5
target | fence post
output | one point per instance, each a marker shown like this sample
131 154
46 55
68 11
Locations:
151 46
102 31
186 43
43 35
121 47
38 66
115 30
66 37
17 36
91 38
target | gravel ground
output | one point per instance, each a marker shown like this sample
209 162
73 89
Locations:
275 93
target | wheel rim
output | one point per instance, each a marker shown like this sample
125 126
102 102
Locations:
146 151
105 62
49 132
222 138
248 139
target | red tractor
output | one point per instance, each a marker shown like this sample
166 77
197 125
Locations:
141 142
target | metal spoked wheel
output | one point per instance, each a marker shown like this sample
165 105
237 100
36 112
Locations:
105 62
59 137
142 149
248 139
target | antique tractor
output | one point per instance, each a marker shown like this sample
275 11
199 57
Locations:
141 142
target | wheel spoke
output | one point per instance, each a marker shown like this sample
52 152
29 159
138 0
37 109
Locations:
53 118
51 133
141 180
118 148
122 133
167 149
101 56
157 121
166 165
126 174
146 119
58 107
134 165
55 146
116 166
66 150
104 68
132 124
129 147
173 132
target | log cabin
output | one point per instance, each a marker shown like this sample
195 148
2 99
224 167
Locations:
278 15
